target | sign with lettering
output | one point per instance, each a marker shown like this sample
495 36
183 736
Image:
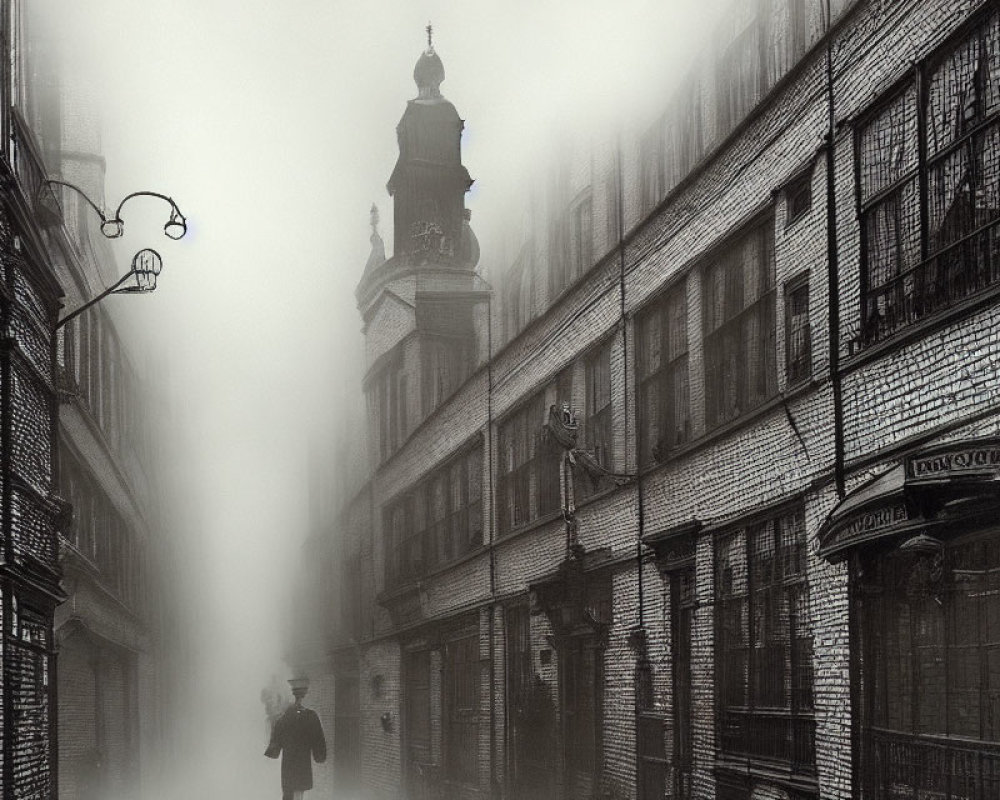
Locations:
864 523
962 458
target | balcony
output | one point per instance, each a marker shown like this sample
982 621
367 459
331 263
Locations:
898 765
958 272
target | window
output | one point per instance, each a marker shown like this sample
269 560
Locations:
739 78
612 202
930 188
559 256
798 198
798 353
517 293
664 392
583 236
447 363
738 288
596 428
387 395
684 133
652 167
796 30
461 707
439 521
930 628
528 486
765 683
93 390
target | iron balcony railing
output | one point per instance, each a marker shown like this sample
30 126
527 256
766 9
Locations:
899 766
959 271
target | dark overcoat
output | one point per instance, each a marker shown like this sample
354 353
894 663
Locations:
298 736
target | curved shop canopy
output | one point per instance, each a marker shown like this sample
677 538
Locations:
939 490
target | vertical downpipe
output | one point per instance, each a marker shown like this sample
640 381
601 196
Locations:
6 438
494 789
622 321
833 276
54 487
833 286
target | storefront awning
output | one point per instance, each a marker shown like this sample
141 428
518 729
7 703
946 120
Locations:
933 488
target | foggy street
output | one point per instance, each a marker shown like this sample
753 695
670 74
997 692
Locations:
537 401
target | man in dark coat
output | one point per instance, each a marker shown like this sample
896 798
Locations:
298 737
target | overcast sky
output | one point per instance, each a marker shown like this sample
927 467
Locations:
273 126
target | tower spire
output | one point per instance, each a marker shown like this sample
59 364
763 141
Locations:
430 36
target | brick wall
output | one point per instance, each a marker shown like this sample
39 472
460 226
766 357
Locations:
784 450
381 773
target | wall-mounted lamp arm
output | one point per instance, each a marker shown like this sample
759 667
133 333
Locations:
170 200
110 290
83 194
146 267
114 227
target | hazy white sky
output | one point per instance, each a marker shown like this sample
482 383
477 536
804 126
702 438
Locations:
273 126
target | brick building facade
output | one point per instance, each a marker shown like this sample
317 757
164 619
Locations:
30 510
697 497
80 683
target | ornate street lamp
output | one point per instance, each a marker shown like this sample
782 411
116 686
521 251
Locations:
141 277
146 264
114 227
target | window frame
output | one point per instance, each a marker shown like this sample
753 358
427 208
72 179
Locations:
756 385
793 376
938 633
536 480
652 166
672 378
596 426
743 726
582 235
415 521
927 279
800 185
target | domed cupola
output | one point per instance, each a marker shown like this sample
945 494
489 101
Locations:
429 71
429 183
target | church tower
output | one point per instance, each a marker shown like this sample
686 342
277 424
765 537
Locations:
424 307
429 183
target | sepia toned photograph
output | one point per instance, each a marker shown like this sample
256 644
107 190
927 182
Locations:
500 400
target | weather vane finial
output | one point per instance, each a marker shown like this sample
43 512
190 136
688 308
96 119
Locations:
430 34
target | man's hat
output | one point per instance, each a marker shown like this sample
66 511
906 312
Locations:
299 683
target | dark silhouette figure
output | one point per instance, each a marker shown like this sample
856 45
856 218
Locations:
298 737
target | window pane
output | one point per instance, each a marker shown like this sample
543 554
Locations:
888 145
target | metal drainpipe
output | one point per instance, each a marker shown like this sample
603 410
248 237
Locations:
624 326
493 580
56 469
833 277
6 343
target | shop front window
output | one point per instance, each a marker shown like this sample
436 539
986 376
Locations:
931 672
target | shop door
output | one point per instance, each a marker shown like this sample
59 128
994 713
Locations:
582 690
532 714
417 724
682 604
346 733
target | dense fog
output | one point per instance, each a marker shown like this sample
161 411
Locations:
273 127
